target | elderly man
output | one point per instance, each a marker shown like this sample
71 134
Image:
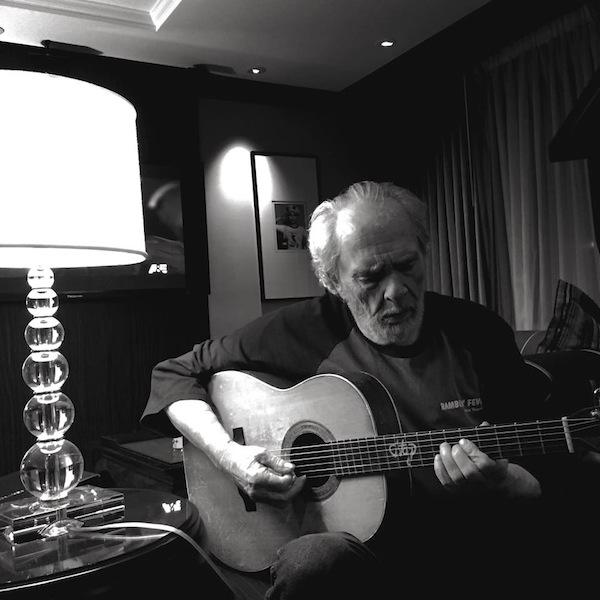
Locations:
447 363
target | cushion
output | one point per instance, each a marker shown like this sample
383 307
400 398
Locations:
575 323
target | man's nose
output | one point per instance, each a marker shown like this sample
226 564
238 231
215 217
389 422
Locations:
395 287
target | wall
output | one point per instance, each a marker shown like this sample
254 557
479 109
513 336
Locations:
229 131
400 112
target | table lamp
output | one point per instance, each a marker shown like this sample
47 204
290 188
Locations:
70 196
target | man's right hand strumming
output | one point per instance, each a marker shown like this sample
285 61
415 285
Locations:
259 473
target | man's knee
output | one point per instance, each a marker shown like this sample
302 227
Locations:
319 564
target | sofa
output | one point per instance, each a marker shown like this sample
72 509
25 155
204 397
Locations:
568 380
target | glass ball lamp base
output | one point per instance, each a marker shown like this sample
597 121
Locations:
53 467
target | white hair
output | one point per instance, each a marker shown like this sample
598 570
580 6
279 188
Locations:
332 220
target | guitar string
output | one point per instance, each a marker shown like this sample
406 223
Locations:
536 429
345 446
481 435
426 449
371 468
422 458
388 462
372 448
369 445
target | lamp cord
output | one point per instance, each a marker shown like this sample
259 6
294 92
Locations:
165 529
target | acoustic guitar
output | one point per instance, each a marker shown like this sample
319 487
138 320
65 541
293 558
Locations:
344 434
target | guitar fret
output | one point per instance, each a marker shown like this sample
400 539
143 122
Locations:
419 449
518 439
499 447
434 449
388 456
337 458
359 464
374 453
541 438
367 462
329 459
342 452
365 457
343 459
383 456
352 459
363 453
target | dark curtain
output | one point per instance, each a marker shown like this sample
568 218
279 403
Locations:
506 223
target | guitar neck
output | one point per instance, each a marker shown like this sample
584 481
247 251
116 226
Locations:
400 451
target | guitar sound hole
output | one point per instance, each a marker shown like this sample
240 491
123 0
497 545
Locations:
312 459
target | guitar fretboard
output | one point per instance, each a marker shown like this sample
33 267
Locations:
360 456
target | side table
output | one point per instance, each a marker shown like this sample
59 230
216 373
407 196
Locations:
116 564
137 461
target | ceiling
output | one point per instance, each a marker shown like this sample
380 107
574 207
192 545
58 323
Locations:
322 44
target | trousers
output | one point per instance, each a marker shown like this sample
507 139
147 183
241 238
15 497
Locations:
533 553
322 566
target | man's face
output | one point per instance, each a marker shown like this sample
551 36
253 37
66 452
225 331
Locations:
293 217
381 275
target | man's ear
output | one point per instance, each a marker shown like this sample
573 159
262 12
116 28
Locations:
335 288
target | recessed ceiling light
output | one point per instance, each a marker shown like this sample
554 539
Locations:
256 70
386 43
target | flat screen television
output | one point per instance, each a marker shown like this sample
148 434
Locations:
164 268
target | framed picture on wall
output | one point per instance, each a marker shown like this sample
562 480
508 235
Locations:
286 191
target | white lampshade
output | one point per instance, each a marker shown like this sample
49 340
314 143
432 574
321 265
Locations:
70 191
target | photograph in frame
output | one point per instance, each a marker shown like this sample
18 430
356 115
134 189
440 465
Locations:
286 192
291 226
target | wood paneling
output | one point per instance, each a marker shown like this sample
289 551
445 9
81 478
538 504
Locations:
111 347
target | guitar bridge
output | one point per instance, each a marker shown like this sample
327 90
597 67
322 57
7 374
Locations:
238 437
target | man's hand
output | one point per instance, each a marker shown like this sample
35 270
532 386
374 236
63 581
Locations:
260 474
463 467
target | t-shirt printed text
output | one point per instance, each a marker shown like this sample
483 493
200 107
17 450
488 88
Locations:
468 404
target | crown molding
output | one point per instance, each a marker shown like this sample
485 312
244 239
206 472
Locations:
119 12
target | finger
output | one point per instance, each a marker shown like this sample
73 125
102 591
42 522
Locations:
271 481
484 424
264 484
442 474
487 467
499 472
294 489
464 461
279 498
276 463
449 463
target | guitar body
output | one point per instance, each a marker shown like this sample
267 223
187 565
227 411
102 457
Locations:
256 411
